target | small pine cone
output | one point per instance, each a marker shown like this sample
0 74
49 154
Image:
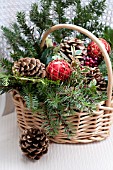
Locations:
69 43
29 67
34 143
95 73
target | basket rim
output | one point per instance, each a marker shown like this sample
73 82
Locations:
100 106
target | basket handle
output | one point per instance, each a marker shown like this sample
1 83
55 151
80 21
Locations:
100 45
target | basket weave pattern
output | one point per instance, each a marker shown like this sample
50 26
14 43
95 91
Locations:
86 127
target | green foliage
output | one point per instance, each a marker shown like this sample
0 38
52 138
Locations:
107 34
22 37
46 56
103 68
20 46
55 99
41 17
88 16
5 65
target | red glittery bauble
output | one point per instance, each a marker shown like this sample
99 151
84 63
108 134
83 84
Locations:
94 51
58 70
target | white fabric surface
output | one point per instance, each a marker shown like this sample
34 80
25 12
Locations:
94 156
2 103
9 8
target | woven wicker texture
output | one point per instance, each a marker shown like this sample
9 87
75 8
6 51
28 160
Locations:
88 128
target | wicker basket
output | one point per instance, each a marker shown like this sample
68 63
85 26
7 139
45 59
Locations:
89 128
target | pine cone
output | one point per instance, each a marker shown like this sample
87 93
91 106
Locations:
69 43
34 143
29 67
95 73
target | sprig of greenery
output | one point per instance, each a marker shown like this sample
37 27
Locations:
88 16
5 65
41 18
103 68
107 34
55 100
58 98
25 40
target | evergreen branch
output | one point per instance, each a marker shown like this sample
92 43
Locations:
31 101
28 32
59 8
21 47
29 45
41 19
6 65
34 16
59 18
11 38
51 124
107 34
67 128
88 16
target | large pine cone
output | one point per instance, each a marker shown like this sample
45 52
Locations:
29 67
95 73
68 44
34 143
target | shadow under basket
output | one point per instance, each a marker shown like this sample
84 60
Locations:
87 127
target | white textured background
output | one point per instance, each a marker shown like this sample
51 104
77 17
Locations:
8 9
95 156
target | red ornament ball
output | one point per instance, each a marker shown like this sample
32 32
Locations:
94 51
58 70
